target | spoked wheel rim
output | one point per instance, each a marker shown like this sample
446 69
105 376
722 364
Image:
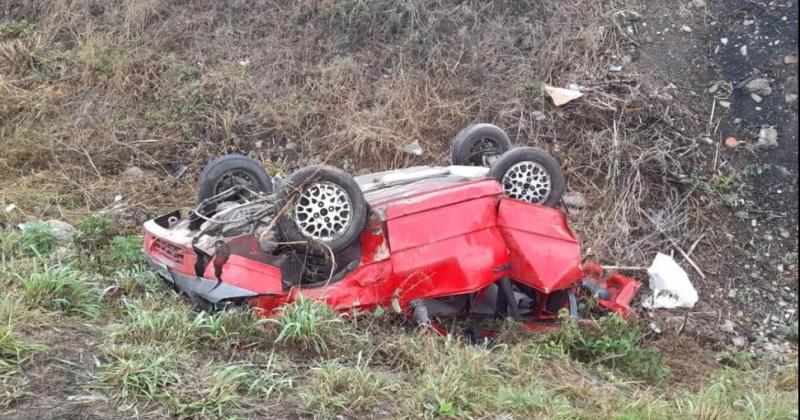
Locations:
232 179
484 152
323 211
527 181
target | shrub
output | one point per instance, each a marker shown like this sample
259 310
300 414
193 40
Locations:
95 232
126 252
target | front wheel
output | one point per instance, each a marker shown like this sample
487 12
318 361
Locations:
530 174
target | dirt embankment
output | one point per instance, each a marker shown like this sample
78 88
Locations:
102 99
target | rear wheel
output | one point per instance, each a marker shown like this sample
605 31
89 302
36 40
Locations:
323 204
228 171
530 174
479 145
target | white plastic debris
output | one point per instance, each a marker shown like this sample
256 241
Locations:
413 148
560 96
670 285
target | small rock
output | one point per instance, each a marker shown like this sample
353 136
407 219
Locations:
731 143
707 140
713 88
63 231
614 69
538 116
732 293
767 138
743 50
725 104
748 22
769 238
754 223
686 29
756 98
724 41
739 341
699 4
654 328
737 120
134 173
758 86
574 200
785 234
790 98
727 327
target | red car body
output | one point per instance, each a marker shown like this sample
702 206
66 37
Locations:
434 238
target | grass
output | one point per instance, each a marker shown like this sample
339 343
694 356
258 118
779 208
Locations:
60 289
338 389
34 239
309 325
88 90
14 353
146 373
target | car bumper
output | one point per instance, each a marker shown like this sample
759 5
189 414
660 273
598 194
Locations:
211 290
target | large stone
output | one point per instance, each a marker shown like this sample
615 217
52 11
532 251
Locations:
760 87
63 231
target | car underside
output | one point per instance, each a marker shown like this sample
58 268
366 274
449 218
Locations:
434 243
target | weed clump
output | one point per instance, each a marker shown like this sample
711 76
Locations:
35 239
615 343
96 232
139 372
14 351
125 252
60 289
341 389
309 325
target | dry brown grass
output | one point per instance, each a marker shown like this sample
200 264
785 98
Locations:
97 86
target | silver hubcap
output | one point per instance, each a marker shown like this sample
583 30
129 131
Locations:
323 211
527 181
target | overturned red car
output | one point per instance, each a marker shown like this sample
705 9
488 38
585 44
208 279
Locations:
481 238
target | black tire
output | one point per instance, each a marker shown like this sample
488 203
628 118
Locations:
226 171
542 161
298 184
563 299
476 143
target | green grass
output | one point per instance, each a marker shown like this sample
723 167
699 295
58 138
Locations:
33 240
140 372
340 389
309 325
158 322
614 343
60 288
95 232
14 351
228 385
